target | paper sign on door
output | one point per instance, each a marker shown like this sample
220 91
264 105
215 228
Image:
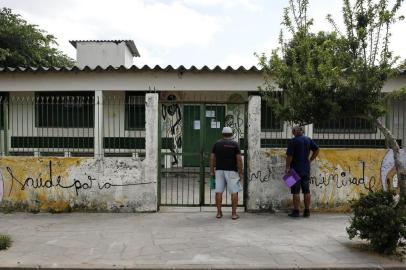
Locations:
210 114
215 124
196 124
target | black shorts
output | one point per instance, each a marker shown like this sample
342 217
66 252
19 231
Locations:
303 183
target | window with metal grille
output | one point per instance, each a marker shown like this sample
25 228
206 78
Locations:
134 110
345 125
65 109
3 97
269 120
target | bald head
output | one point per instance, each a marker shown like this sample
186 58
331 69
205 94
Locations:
298 130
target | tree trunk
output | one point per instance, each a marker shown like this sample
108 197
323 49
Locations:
393 144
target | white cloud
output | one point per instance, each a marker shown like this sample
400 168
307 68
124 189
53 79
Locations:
251 5
160 24
248 59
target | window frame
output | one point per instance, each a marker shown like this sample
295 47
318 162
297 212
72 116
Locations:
128 106
281 123
88 123
3 96
364 129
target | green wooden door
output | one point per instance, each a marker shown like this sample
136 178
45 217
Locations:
212 121
191 136
214 118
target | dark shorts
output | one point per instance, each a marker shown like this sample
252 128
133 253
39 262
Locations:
303 183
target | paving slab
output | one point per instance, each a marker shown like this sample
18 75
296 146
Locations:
189 240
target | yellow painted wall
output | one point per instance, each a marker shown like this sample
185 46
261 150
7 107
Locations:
337 176
65 184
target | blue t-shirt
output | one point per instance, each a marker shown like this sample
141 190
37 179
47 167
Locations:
299 148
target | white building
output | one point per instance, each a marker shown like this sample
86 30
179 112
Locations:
97 109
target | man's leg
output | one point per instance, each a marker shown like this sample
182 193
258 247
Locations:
219 201
296 202
307 198
220 186
295 190
234 203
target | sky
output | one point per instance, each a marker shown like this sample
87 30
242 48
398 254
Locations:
180 32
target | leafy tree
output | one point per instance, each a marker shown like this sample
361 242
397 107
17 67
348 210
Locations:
23 44
332 75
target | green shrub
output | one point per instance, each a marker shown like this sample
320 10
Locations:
5 241
378 218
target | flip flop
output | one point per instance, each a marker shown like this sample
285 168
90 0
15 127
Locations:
234 217
219 215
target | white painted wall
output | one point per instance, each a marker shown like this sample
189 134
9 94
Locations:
130 81
143 81
103 54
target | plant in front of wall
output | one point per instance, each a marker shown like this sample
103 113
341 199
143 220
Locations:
5 241
380 219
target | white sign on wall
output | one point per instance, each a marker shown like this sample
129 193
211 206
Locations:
196 124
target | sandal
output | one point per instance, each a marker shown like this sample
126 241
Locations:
234 217
219 215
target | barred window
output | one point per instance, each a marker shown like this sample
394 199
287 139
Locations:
345 125
269 120
3 97
64 109
134 110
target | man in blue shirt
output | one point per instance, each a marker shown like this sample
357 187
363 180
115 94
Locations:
297 158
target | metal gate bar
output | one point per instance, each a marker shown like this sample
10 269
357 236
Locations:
183 171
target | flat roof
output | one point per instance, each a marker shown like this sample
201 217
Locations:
130 44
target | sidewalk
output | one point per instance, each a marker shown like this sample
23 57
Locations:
183 241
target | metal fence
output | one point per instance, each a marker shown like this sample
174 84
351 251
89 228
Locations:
350 132
45 124
188 132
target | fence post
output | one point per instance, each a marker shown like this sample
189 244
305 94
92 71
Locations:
98 124
254 148
151 140
5 127
309 130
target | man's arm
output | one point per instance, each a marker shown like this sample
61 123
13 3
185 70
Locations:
212 162
315 150
289 155
314 154
240 166
288 163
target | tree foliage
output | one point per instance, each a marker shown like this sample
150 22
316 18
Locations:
23 44
337 74
379 219
328 75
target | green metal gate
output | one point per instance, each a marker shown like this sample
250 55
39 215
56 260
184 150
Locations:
187 134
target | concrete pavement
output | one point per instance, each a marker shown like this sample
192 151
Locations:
183 241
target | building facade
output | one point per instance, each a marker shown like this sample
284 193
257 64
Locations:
107 135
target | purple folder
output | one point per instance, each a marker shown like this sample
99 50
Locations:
291 178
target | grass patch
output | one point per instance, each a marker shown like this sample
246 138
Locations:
5 241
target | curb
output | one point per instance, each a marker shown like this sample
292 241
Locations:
207 267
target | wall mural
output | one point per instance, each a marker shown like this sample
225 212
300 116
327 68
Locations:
338 175
1 186
235 119
60 184
388 170
172 126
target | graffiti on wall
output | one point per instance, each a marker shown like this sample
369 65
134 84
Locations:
324 179
172 120
337 175
388 171
56 181
235 119
1 186
59 183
